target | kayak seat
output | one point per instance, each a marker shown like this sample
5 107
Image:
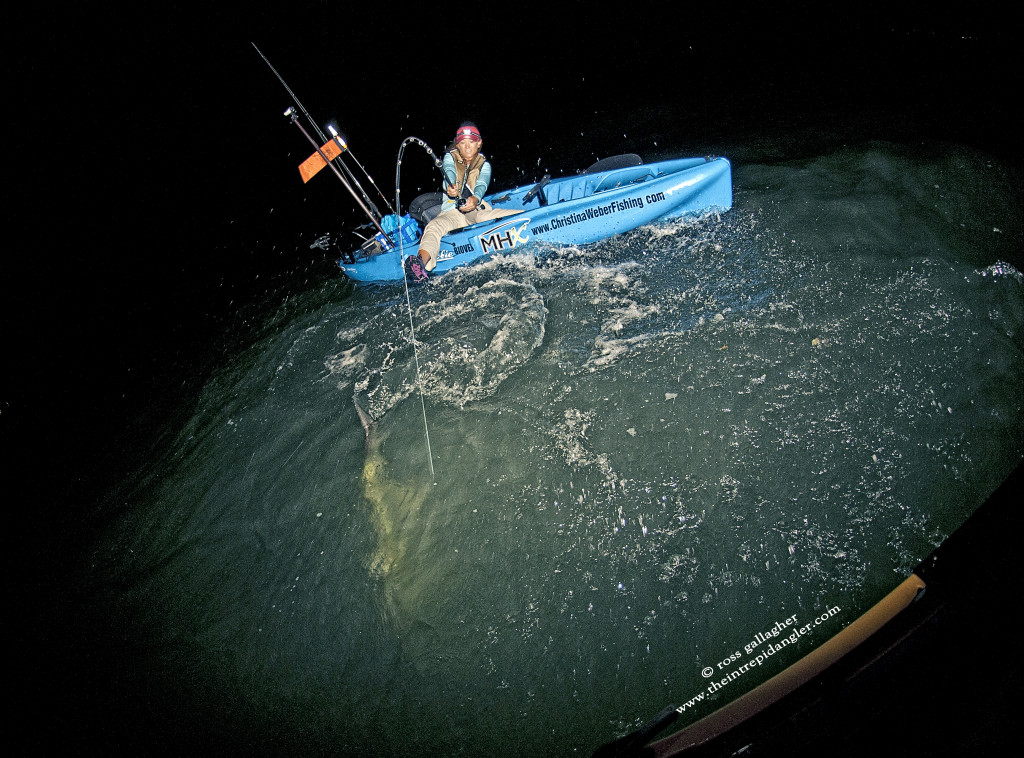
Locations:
621 178
426 207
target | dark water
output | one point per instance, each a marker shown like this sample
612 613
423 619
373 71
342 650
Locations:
645 451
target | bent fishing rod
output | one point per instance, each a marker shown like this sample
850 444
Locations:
398 165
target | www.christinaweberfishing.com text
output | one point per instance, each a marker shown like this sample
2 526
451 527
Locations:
765 644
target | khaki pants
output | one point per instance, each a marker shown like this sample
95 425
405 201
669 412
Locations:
454 219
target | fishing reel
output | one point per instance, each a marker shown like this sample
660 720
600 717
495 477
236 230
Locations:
332 244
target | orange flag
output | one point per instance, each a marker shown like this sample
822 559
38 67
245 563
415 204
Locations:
312 165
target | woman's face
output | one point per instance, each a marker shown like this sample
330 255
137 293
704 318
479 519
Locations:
468 149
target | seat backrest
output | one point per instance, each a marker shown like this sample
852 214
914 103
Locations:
426 207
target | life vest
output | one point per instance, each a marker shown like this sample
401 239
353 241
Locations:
474 167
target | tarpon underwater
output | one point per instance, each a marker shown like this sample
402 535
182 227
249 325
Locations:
395 512
412 576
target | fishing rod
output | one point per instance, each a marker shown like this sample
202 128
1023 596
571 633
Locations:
335 136
398 166
290 113
343 147
365 203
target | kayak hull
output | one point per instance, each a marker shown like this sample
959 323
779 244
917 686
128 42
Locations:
571 210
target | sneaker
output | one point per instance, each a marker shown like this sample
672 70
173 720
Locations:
414 269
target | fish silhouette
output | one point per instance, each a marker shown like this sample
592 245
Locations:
396 514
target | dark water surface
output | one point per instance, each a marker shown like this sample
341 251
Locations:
646 452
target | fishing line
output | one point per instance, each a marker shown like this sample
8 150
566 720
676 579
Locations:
405 280
419 381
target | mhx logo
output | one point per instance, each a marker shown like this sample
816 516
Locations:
505 237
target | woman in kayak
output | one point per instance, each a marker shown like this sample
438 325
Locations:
468 173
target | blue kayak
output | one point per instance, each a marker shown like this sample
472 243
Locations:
613 196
